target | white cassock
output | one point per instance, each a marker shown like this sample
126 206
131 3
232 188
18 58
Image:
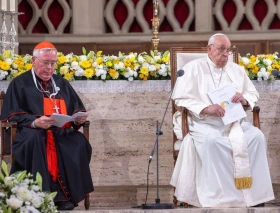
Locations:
204 171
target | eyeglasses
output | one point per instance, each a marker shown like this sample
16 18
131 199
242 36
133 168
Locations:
46 63
224 50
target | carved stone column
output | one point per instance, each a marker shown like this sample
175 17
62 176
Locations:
88 17
203 16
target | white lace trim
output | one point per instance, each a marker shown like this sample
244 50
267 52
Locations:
122 86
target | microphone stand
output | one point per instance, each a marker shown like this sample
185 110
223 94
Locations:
159 205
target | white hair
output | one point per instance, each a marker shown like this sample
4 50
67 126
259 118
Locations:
36 52
212 38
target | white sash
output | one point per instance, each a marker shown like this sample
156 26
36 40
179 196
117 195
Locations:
241 164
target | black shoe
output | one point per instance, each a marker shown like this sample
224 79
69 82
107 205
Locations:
67 205
259 205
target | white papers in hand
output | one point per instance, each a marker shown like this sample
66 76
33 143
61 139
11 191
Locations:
61 119
223 96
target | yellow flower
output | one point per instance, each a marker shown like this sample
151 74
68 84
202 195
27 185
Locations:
132 66
85 64
21 68
144 71
131 59
126 63
166 59
69 76
109 64
113 73
271 57
64 70
255 70
99 60
28 66
62 59
250 65
99 52
141 76
4 66
89 73
253 58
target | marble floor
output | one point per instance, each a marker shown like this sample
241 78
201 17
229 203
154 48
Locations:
266 209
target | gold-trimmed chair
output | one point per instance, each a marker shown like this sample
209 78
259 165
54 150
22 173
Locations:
6 141
179 56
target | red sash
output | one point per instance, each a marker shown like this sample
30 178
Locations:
50 146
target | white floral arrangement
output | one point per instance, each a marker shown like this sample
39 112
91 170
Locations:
19 193
261 67
94 66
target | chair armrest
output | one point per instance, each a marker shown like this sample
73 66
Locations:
11 124
256 117
86 129
8 158
185 125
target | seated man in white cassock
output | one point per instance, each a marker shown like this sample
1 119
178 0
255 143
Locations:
219 165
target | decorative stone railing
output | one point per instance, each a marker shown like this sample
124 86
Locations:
122 86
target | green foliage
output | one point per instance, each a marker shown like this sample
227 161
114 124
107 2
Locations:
39 180
84 51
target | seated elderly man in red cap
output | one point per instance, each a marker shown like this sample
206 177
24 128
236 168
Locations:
60 155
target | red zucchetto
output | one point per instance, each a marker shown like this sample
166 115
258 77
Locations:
44 45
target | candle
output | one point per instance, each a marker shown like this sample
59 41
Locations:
4 5
155 2
12 5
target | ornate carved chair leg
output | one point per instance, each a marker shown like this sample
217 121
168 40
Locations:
87 202
175 201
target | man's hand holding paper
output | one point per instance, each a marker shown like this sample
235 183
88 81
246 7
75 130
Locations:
80 117
60 119
230 102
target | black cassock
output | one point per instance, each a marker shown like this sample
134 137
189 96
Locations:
24 103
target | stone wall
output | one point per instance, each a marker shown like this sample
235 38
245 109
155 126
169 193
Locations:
122 134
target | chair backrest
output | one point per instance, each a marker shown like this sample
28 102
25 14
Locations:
179 56
6 139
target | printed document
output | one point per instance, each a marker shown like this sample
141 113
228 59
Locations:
61 119
223 96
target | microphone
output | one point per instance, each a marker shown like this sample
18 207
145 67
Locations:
159 205
179 73
275 73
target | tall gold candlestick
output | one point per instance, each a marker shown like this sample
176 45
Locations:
155 24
